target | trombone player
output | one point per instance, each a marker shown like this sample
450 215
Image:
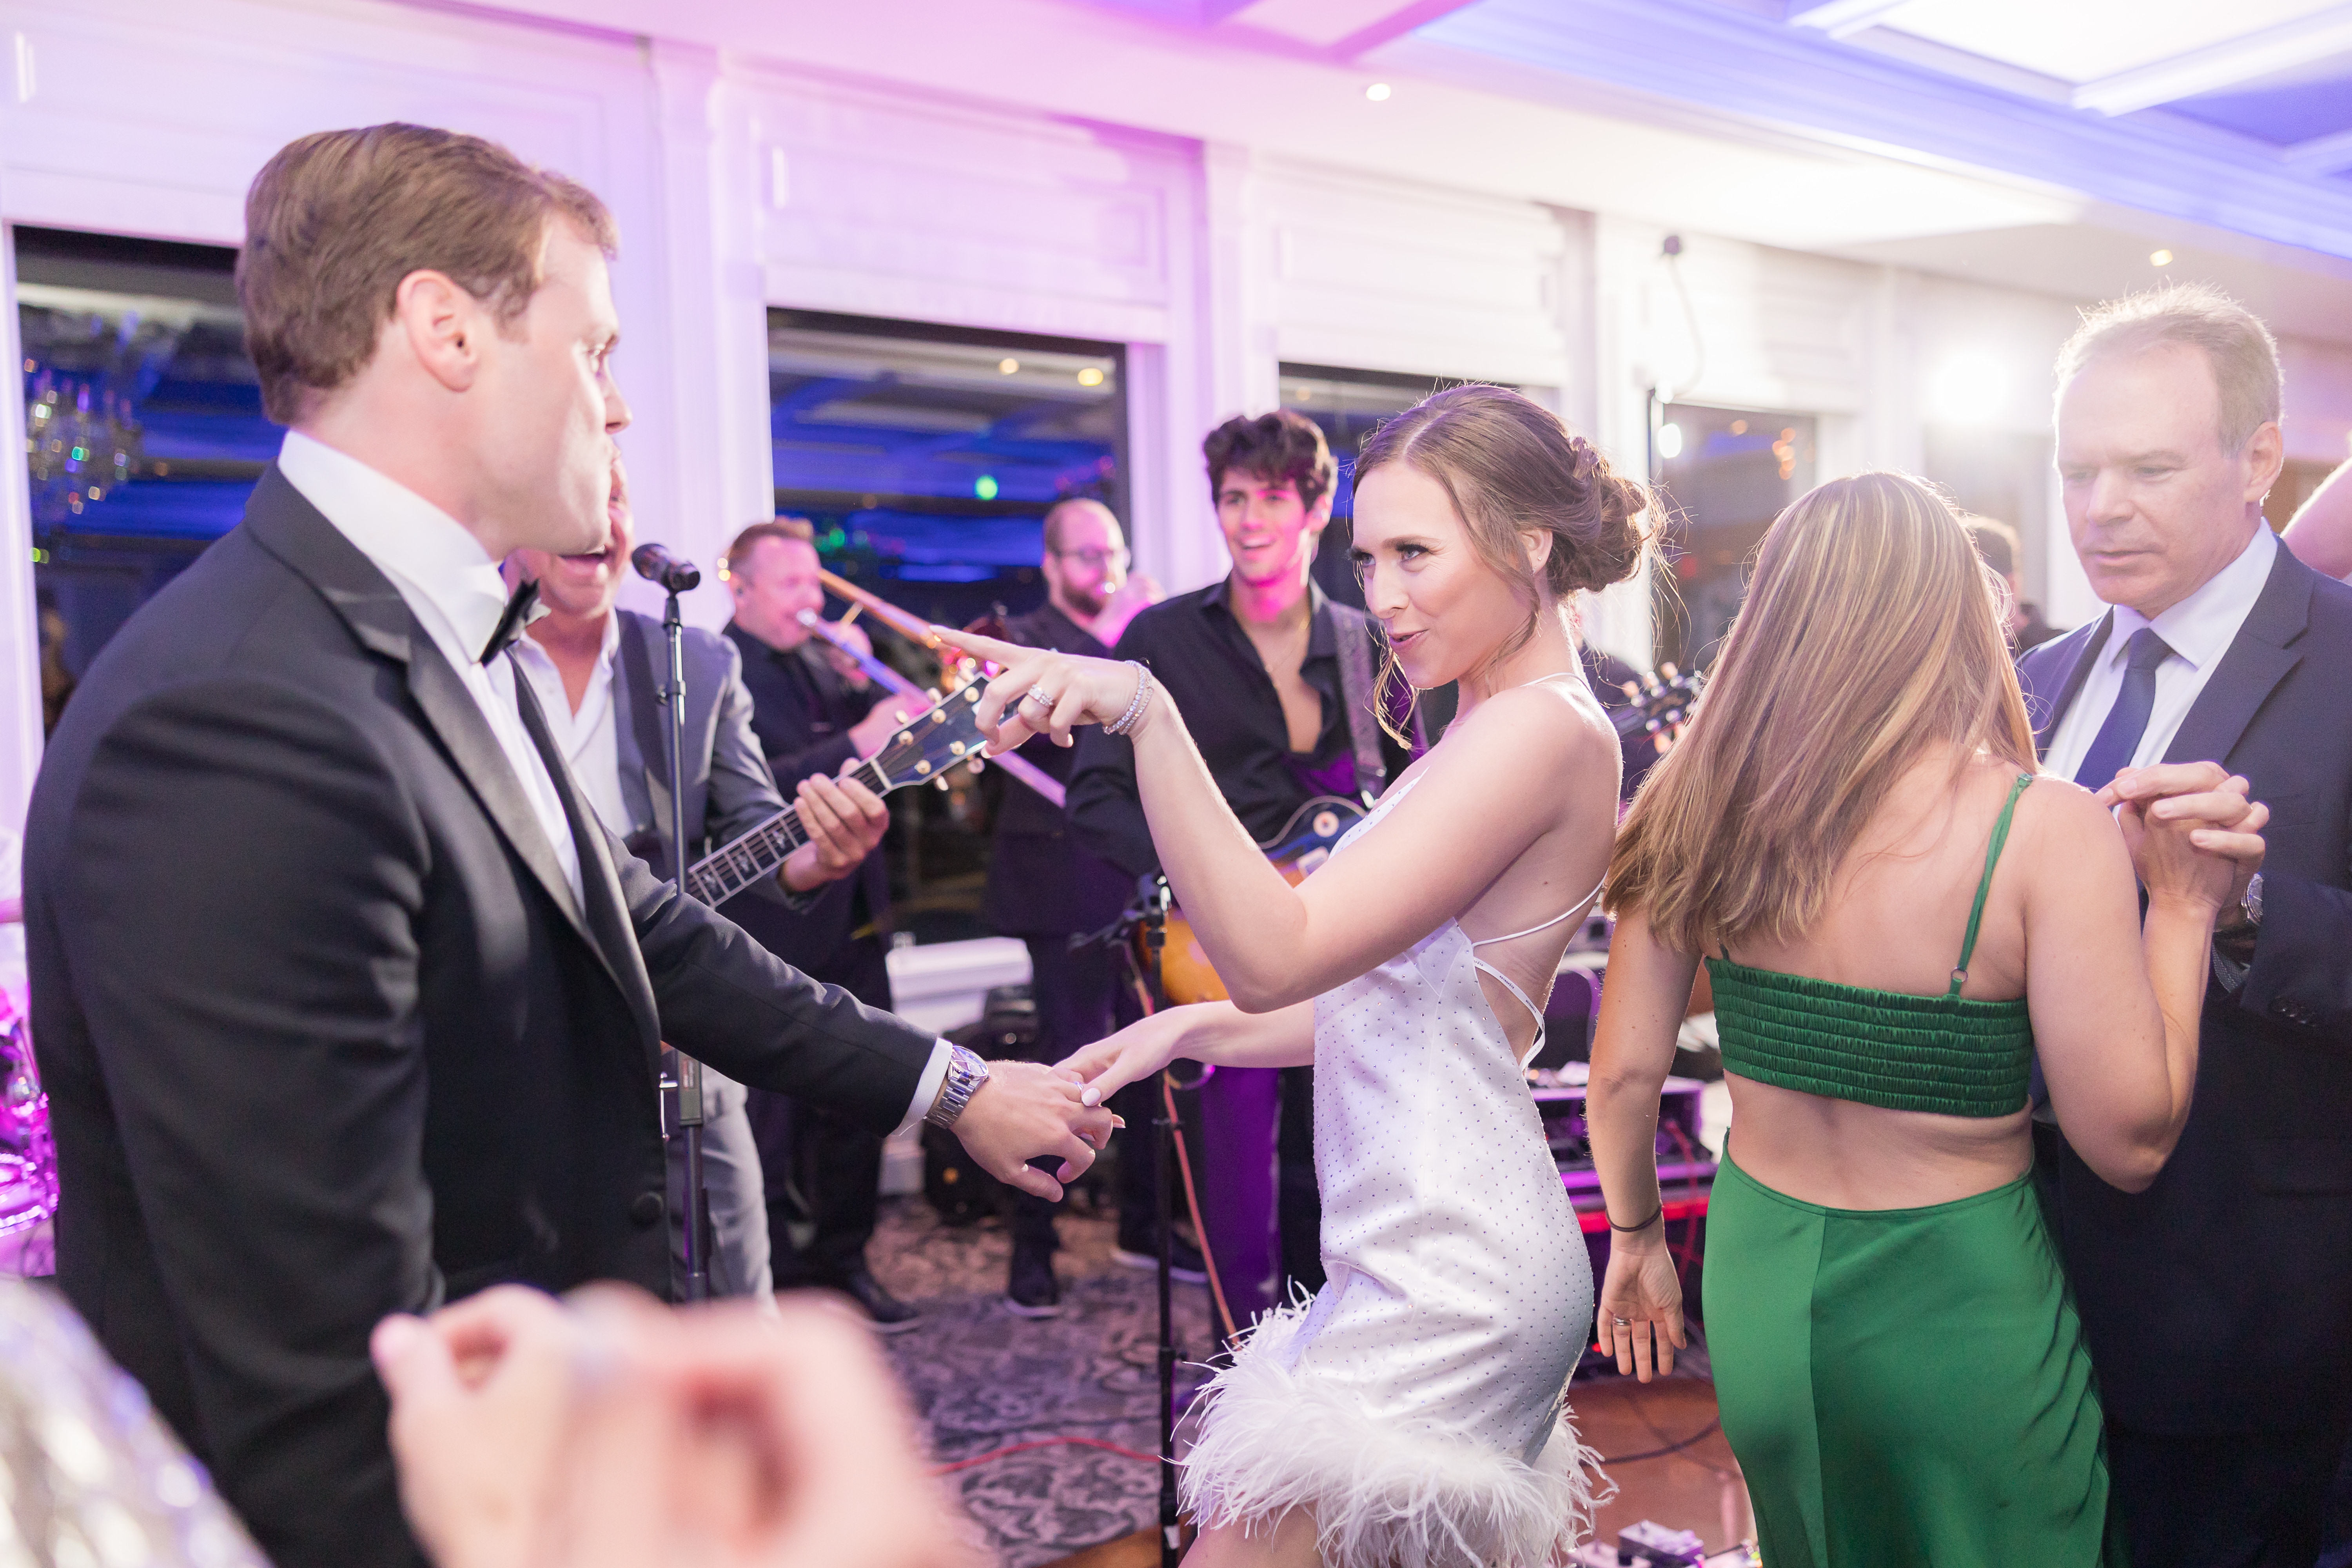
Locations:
810 715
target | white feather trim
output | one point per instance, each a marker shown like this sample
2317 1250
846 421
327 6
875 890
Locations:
1274 1438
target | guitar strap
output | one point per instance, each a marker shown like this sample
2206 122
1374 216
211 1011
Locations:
1353 635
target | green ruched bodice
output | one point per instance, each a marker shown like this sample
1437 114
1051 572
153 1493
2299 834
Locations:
1949 1054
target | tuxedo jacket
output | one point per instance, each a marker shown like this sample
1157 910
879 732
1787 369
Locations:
730 789
802 713
2221 1299
326 1033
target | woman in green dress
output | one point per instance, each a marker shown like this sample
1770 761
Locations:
1898 914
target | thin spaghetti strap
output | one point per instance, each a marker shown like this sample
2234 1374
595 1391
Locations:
1984 883
1483 967
1546 925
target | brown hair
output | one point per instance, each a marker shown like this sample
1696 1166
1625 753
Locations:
337 219
1869 636
2237 346
1284 444
778 528
1509 465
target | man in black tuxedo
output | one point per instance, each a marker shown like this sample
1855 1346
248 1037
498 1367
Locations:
823 1168
347 1004
2218 1303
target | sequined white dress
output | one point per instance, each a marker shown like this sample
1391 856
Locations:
1416 1404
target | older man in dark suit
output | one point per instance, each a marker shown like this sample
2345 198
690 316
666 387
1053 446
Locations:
347 1004
2218 1303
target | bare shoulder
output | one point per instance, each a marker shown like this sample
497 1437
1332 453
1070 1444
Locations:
1554 722
2063 830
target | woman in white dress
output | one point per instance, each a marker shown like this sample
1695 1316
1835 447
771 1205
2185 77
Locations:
1411 1415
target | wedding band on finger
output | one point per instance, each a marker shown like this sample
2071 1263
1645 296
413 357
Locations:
1039 694
1623 1322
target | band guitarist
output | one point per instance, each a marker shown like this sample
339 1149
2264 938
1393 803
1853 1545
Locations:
1276 681
592 666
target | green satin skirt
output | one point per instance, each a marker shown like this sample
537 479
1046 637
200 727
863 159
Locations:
1905 1386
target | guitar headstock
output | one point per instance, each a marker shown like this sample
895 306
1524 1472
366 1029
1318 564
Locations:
1659 704
929 744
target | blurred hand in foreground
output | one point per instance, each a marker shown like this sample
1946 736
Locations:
612 1431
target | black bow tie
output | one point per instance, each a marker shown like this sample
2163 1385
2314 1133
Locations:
523 608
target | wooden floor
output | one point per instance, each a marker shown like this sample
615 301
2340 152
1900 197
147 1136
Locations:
1697 1489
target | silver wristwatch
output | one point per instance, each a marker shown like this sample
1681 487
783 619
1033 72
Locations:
965 1074
2251 905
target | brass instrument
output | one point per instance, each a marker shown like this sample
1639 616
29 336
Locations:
954 666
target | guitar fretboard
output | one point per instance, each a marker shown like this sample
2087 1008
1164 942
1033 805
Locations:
737 864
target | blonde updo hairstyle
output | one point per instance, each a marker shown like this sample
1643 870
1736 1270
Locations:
1511 466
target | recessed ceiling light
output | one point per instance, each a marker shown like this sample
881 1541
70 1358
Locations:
1007 366
2159 258
1378 93
1090 376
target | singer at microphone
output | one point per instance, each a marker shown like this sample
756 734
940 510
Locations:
658 565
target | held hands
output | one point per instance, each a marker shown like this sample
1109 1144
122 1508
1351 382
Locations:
1130 1055
1041 692
1643 1288
616 1432
2194 836
845 819
1026 1113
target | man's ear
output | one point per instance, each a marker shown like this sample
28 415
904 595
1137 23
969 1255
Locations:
2265 460
444 325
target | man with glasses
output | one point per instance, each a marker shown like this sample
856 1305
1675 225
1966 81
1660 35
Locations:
1044 889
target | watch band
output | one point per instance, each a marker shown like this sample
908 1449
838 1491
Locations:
966 1072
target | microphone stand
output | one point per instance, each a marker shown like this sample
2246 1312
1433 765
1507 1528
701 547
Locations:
1147 920
690 1071
675 578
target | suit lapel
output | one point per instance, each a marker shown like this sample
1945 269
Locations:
614 936
282 522
466 735
2257 659
2086 643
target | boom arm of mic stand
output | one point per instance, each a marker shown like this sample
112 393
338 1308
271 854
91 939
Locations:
1020 767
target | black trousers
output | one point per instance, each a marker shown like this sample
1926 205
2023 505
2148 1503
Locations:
823 1170
1082 997
2247 1500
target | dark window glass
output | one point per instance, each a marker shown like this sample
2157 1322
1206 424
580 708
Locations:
926 457
144 422
1727 473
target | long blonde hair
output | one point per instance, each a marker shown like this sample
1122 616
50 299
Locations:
1869 636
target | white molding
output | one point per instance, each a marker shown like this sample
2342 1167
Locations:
2244 58
2321 155
1840 17
20 646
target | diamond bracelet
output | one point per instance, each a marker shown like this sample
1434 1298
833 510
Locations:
1142 699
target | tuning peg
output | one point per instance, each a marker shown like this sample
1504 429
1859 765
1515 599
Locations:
941 783
897 715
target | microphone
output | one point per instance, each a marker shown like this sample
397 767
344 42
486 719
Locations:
658 565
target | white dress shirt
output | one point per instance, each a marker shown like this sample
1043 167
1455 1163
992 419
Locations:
453 588
2199 630
585 737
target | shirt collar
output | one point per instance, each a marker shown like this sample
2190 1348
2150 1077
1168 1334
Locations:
402 535
1320 641
527 647
2200 627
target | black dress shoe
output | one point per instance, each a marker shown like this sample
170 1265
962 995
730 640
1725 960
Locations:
889 1314
1183 1259
1031 1291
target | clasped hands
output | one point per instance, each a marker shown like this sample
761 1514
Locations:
2193 832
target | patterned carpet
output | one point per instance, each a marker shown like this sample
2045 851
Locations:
982 1378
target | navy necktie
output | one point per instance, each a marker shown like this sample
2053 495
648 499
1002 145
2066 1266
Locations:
2112 749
